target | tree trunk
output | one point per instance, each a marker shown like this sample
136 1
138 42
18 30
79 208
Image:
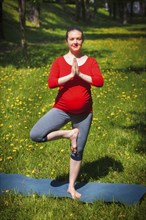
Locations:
1 20
21 6
122 7
143 6
131 9
110 8
114 10
125 16
78 10
88 10
34 16
83 10
94 8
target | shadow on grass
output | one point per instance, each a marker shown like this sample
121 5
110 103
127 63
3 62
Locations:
43 50
44 46
139 127
97 169
39 55
114 36
129 69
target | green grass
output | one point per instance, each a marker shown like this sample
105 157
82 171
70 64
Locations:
115 151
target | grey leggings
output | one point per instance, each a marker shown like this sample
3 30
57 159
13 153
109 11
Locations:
55 119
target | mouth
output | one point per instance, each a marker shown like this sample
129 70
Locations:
75 45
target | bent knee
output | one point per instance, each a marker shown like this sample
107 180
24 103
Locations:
77 156
37 137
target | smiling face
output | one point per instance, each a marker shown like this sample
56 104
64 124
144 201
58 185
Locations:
74 41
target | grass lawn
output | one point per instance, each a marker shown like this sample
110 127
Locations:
115 151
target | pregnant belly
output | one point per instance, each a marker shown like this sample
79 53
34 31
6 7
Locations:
74 103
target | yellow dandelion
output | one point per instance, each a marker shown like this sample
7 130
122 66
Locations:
9 158
6 203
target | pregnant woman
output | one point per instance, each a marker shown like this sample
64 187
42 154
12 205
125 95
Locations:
73 73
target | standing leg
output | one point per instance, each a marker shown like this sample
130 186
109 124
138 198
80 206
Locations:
83 123
73 174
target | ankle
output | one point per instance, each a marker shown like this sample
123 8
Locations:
71 186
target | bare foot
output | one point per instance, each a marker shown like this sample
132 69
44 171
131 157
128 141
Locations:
73 138
74 193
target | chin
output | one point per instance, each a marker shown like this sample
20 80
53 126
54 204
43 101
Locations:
76 50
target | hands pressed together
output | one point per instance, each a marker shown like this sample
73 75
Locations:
75 68
74 71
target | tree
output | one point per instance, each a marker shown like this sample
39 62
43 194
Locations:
82 10
123 9
34 15
22 11
95 5
118 9
1 20
87 10
78 10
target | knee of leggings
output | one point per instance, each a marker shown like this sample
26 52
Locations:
77 156
37 138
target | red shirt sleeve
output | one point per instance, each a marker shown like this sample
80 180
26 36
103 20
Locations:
97 78
54 75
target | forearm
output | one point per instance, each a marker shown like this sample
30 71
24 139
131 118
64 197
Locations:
85 77
65 79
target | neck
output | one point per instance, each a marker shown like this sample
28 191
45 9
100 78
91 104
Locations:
76 55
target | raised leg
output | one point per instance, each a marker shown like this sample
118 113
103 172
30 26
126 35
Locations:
69 134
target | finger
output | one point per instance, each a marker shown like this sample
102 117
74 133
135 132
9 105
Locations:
77 68
74 60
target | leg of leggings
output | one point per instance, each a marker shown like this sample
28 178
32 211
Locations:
83 123
51 121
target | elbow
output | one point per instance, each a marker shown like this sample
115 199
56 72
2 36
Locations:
101 83
98 82
52 84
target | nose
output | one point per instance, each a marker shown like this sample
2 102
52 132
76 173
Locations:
75 40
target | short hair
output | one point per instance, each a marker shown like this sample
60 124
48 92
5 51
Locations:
72 28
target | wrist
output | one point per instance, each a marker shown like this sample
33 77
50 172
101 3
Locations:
79 74
71 75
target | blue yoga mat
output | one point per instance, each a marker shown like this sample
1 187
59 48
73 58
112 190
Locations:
91 192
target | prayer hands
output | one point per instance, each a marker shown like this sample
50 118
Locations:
75 68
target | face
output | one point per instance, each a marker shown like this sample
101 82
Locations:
74 41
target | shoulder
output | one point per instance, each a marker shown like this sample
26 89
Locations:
91 60
57 62
58 59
